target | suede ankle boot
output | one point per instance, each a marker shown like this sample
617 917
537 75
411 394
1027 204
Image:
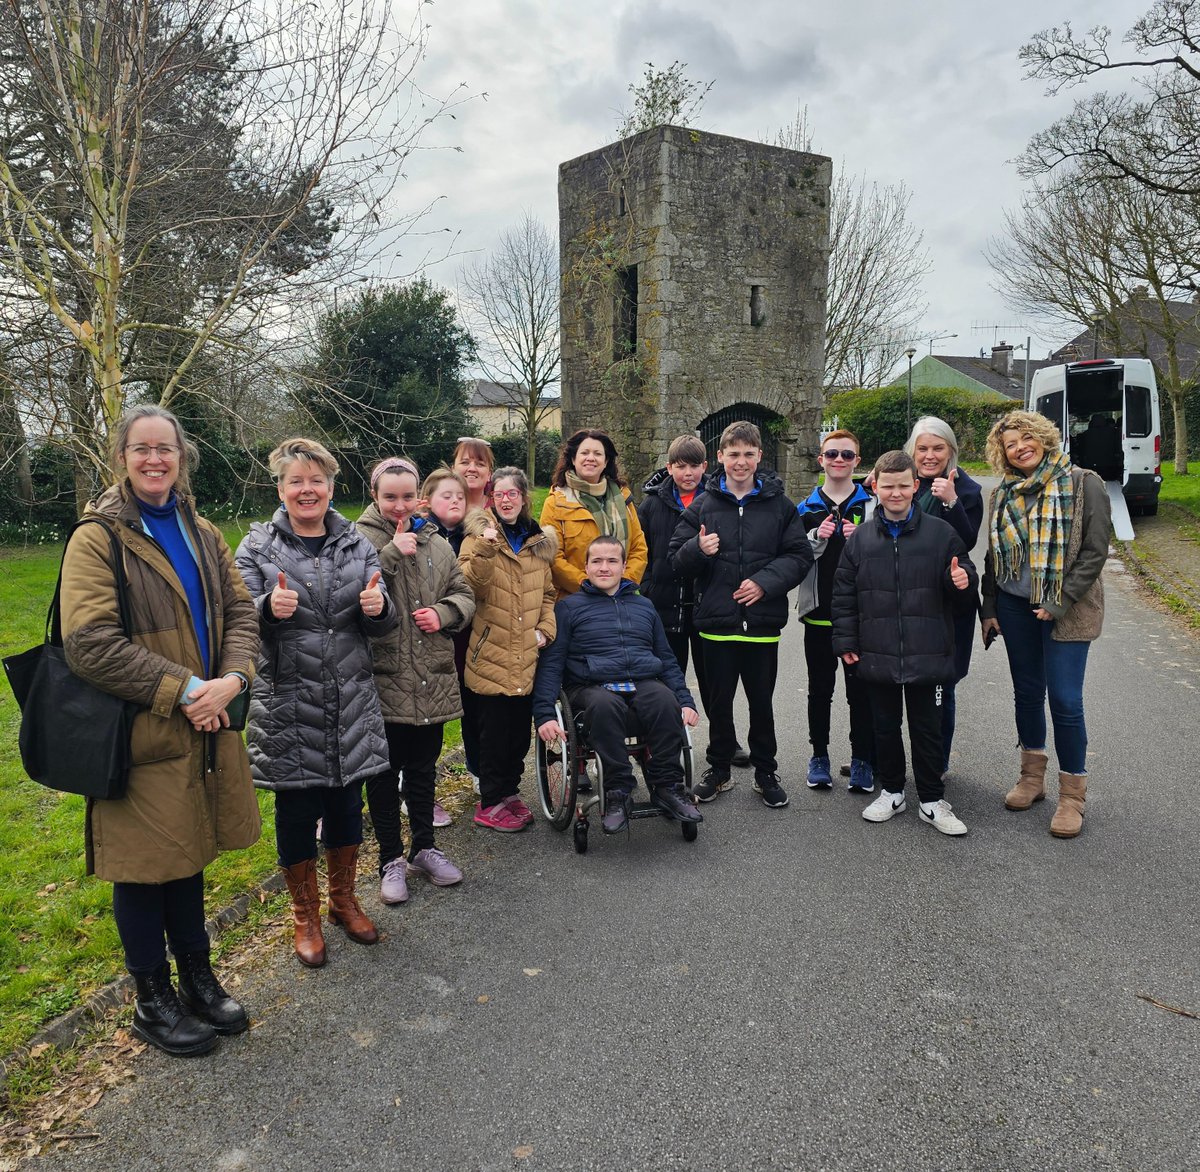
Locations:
344 907
1031 786
201 994
159 1018
1068 818
306 912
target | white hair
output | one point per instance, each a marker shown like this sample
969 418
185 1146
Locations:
932 425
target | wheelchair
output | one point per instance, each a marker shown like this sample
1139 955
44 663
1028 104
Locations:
560 766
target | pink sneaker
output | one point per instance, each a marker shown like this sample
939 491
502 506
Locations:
498 817
440 817
518 807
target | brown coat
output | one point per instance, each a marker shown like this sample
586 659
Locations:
414 671
176 815
514 598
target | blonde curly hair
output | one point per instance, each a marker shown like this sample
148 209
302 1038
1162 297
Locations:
1027 423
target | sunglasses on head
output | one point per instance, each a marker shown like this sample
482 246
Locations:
845 453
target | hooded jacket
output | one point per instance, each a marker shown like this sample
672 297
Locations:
605 639
673 594
314 718
176 814
761 539
414 670
514 598
894 603
816 591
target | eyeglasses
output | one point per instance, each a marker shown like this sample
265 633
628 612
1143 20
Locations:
506 494
164 451
845 453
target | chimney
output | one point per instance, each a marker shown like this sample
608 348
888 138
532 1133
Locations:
1002 354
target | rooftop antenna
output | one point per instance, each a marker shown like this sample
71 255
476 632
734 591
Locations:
995 327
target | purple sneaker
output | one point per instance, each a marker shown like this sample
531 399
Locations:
440 817
393 887
431 863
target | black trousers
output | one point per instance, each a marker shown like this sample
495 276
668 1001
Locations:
756 664
923 703
146 912
339 809
656 715
413 749
505 732
822 677
470 727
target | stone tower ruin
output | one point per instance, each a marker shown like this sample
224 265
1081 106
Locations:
694 270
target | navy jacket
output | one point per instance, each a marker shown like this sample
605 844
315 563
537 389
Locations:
673 594
761 539
894 603
605 639
816 591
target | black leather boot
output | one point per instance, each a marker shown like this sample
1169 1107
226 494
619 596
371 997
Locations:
160 1020
202 995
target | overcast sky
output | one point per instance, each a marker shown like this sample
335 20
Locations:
930 95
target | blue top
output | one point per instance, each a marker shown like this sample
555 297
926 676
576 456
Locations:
164 524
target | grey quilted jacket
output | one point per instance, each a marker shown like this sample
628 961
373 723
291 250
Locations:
314 712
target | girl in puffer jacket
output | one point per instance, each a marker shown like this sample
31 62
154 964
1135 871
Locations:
414 673
507 561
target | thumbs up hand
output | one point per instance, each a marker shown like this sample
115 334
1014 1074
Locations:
943 488
371 599
958 575
405 540
283 600
709 542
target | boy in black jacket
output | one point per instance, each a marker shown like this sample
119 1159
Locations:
744 544
668 492
895 593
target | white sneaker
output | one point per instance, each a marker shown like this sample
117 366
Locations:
942 818
474 782
886 806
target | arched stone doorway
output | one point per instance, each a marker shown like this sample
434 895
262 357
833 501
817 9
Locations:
768 422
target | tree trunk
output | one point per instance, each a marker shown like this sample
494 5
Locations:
1179 397
530 447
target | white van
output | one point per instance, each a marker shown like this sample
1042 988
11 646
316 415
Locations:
1107 411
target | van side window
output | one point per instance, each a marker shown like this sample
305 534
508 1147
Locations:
1051 406
1137 411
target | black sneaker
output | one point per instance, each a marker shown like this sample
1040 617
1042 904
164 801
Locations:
741 757
712 783
773 794
616 812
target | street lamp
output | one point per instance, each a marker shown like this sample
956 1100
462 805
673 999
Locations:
908 406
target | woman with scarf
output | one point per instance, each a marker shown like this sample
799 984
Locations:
587 500
945 490
1047 534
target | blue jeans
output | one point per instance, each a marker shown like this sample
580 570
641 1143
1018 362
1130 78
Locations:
1041 666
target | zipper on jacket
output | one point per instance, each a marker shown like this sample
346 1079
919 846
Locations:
899 610
482 639
742 567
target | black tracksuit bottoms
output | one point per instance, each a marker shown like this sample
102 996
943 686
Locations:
756 664
923 703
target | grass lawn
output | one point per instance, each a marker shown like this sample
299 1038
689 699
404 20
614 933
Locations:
1182 490
59 941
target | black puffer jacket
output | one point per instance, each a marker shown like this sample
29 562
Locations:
672 594
762 538
894 603
314 712
605 639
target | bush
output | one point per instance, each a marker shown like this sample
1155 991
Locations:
876 416
509 450
1168 425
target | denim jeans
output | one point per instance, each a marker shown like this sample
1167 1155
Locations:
1041 667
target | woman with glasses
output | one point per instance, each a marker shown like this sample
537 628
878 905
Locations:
946 491
507 561
588 499
190 653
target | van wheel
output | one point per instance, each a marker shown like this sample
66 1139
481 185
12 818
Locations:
1150 510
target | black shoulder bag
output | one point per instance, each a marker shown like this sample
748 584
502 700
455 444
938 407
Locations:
74 737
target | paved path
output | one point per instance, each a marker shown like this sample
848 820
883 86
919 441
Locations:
797 989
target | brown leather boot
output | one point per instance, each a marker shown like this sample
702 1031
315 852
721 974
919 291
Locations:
1068 818
306 912
1031 786
344 908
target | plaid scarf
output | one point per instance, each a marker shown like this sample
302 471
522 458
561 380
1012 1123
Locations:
606 503
1032 516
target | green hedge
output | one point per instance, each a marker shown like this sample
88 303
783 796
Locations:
876 416
1168 425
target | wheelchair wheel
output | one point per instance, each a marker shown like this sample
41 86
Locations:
581 837
558 771
690 830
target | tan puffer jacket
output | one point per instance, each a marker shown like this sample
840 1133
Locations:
176 815
414 671
514 598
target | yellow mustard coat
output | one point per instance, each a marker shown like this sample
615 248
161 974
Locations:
575 527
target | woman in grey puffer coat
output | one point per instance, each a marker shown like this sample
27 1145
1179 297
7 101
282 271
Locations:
315 732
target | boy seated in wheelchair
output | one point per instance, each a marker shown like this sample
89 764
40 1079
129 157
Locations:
612 658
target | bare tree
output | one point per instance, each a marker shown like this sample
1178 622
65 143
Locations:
177 174
1149 133
511 301
1084 251
877 265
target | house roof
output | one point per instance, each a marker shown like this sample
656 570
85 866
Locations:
981 371
1135 337
485 393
